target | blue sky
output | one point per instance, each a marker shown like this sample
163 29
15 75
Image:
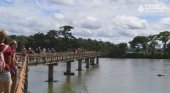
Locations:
116 21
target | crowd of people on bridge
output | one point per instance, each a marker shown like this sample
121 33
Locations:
37 50
48 50
79 50
8 64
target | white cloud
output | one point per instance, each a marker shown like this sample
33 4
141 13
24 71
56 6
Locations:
64 2
90 23
108 20
130 22
161 25
59 16
165 21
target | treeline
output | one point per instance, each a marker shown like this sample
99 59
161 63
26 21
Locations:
152 46
62 40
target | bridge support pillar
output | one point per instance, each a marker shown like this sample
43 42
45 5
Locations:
97 60
87 62
79 64
68 68
92 61
50 73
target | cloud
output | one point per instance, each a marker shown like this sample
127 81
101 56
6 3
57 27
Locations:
130 22
90 23
160 25
165 21
109 20
63 2
58 16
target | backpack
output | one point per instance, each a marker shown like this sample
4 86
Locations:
2 60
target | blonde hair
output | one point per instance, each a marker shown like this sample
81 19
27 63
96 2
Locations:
13 42
2 35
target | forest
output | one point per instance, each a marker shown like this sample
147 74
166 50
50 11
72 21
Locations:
62 40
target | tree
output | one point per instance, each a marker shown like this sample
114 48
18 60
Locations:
51 38
139 41
122 47
133 45
66 31
39 39
152 43
52 34
142 41
164 37
168 48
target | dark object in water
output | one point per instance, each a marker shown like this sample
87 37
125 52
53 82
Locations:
160 75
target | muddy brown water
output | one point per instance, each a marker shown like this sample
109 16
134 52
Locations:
111 76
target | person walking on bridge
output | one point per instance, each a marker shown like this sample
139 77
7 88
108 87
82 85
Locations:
6 53
14 65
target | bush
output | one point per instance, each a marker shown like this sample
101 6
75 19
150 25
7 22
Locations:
142 55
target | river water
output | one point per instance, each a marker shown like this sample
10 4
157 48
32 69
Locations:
111 76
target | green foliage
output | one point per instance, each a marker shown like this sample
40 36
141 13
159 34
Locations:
150 46
68 42
142 55
143 46
50 40
140 41
164 37
66 31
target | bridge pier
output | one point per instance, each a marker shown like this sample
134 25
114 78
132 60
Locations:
97 60
68 68
79 64
50 73
87 62
92 61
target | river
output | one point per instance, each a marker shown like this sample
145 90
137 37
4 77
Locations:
111 76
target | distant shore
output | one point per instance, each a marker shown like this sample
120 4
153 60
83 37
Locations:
143 56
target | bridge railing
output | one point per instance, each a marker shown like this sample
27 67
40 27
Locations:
45 58
41 58
21 86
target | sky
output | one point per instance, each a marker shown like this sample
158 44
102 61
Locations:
116 21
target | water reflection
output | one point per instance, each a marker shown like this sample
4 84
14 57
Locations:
67 86
50 87
79 74
77 83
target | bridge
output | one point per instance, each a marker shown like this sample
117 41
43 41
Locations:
51 60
